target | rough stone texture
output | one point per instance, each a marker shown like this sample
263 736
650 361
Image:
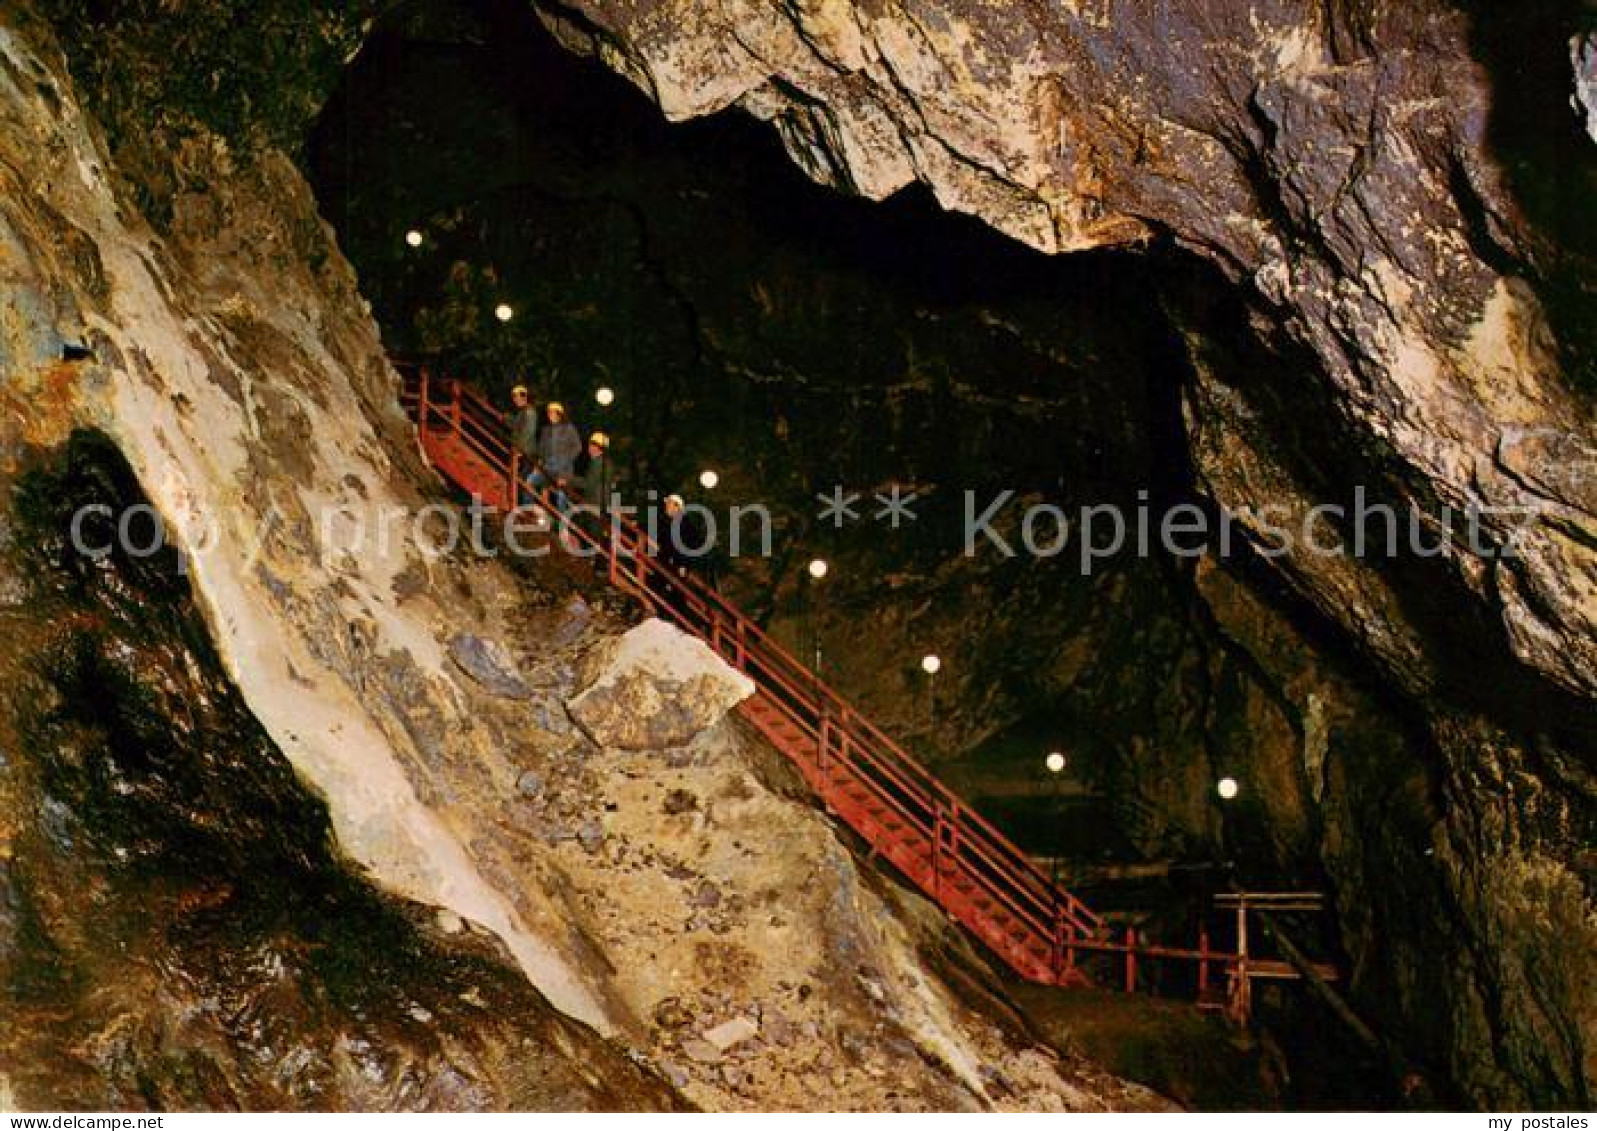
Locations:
1583 57
1330 158
235 367
487 662
178 930
734 1032
656 688
745 904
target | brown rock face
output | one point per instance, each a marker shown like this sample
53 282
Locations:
1330 158
350 852
1338 164
177 928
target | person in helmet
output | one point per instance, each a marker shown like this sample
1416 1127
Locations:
682 537
559 445
593 471
523 424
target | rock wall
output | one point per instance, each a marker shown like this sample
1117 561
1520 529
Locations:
1330 158
1583 56
233 364
178 929
1341 166
1333 162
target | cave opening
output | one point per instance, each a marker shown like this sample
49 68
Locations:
797 341
814 341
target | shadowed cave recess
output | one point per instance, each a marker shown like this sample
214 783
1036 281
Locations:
1397 738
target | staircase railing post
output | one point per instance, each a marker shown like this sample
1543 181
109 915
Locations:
422 397
1056 941
939 831
1203 961
1242 987
515 478
1131 960
455 403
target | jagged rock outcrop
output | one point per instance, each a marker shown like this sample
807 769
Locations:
1330 158
230 358
487 662
1583 57
655 688
721 902
178 930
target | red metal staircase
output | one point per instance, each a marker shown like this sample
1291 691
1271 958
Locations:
939 843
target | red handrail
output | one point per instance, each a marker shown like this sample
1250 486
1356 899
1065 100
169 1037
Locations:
858 753
887 756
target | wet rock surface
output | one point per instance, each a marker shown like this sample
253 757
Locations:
178 929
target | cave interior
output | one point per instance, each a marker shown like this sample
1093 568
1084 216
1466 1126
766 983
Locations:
797 340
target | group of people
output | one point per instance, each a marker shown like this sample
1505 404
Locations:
554 455
556 461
